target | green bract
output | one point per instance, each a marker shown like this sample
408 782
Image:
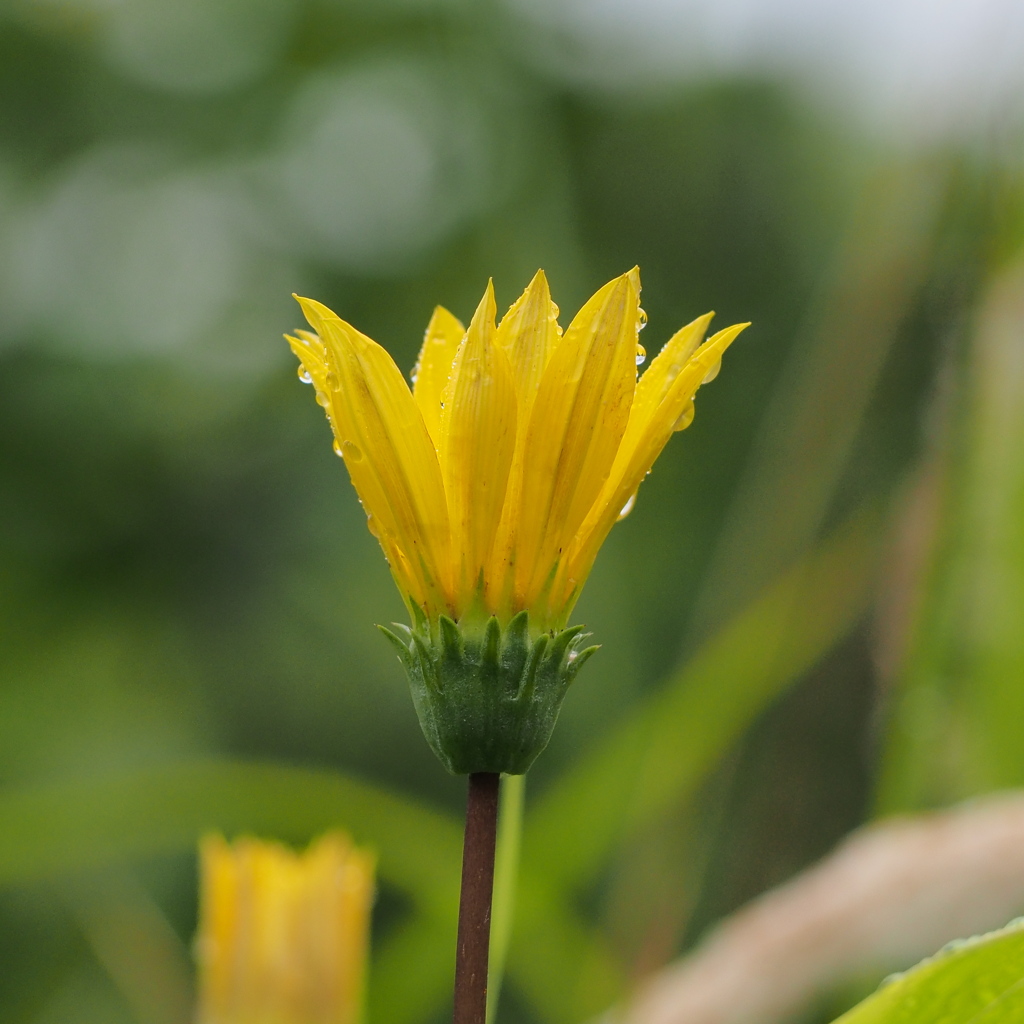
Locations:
488 698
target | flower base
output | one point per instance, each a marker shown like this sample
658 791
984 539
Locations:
487 698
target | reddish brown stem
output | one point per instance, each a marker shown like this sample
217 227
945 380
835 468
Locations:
475 900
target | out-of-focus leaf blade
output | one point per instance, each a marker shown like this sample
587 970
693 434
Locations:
67 826
560 965
818 408
979 981
993 601
661 753
411 976
955 724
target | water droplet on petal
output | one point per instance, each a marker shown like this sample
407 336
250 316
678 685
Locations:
712 373
685 417
372 526
627 508
322 399
641 322
641 355
415 373
333 381
348 450
304 375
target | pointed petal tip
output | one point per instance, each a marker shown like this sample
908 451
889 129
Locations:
314 308
487 307
732 332
538 283
624 282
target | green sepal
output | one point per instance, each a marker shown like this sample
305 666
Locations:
488 698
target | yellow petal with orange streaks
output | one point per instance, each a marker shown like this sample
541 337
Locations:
441 341
578 419
478 433
388 451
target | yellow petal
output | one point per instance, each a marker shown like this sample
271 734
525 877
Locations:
478 432
578 418
283 937
389 454
433 368
529 333
664 395
311 354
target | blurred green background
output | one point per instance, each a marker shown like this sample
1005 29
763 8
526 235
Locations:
812 615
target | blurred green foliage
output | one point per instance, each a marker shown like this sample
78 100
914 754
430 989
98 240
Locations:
824 575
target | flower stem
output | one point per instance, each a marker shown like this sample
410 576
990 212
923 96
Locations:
475 900
506 875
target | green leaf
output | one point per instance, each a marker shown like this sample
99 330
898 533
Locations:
976 981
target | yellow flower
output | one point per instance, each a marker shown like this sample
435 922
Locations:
492 484
282 936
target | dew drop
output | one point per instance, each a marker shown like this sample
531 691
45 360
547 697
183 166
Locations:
415 373
641 322
322 399
333 381
348 450
627 508
304 375
712 373
641 355
373 527
686 416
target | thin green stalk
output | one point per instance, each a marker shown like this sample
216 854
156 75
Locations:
506 876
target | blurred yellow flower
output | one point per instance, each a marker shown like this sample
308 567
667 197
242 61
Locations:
492 484
283 936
